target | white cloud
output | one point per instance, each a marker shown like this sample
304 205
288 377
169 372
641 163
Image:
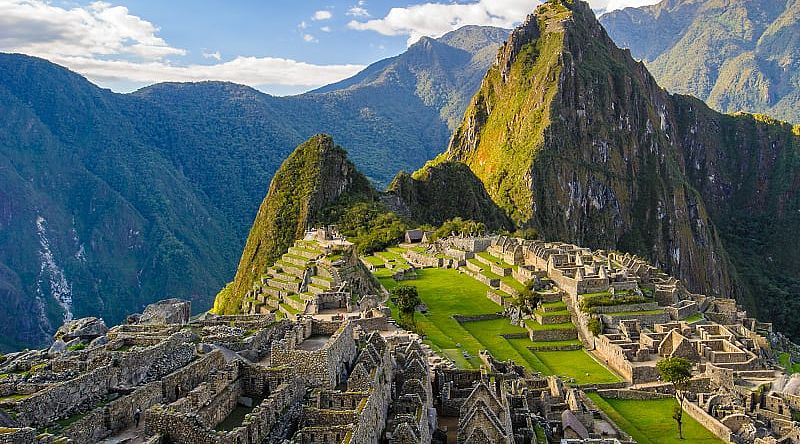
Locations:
115 49
216 55
322 15
436 19
610 5
253 71
357 11
310 38
303 25
36 27
325 29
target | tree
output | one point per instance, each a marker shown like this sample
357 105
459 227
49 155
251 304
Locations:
677 371
406 298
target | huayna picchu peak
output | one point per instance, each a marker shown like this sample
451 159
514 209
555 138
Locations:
591 259
574 137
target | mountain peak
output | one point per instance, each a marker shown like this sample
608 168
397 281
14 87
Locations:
314 176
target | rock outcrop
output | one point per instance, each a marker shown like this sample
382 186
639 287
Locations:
168 311
84 329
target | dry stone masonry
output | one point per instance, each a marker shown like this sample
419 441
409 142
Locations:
317 359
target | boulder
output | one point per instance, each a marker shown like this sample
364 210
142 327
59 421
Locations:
85 329
57 348
97 342
168 311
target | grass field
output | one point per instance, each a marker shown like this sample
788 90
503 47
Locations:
650 422
447 292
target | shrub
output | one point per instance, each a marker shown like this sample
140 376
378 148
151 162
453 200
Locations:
595 326
78 346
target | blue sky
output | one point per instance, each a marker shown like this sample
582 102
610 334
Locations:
278 46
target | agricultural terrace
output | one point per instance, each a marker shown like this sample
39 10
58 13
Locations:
447 292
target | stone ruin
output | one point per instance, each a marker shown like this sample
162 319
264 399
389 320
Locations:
320 363
220 379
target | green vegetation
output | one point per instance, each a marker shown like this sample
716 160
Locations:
677 371
368 225
444 191
297 197
406 298
447 292
785 361
460 226
76 347
180 169
502 159
722 53
694 318
644 421
595 326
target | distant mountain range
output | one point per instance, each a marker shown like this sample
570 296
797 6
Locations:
737 55
111 201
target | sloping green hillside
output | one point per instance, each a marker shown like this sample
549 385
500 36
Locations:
739 55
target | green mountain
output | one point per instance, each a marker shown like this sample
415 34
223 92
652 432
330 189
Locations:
572 136
316 175
318 185
737 55
111 201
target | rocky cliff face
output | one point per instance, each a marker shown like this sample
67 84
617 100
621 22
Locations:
314 176
571 135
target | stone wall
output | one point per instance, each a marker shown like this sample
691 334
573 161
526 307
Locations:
119 413
644 306
89 429
187 378
639 395
324 367
16 436
484 317
708 421
613 319
66 397
560 334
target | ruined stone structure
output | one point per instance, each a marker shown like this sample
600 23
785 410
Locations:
333 369
320 273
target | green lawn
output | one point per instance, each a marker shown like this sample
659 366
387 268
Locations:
650 422
447 292
374 260
494 259
694 318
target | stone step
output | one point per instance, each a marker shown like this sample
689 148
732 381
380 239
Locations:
289 268
296 260
317 289
322 281
302 252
